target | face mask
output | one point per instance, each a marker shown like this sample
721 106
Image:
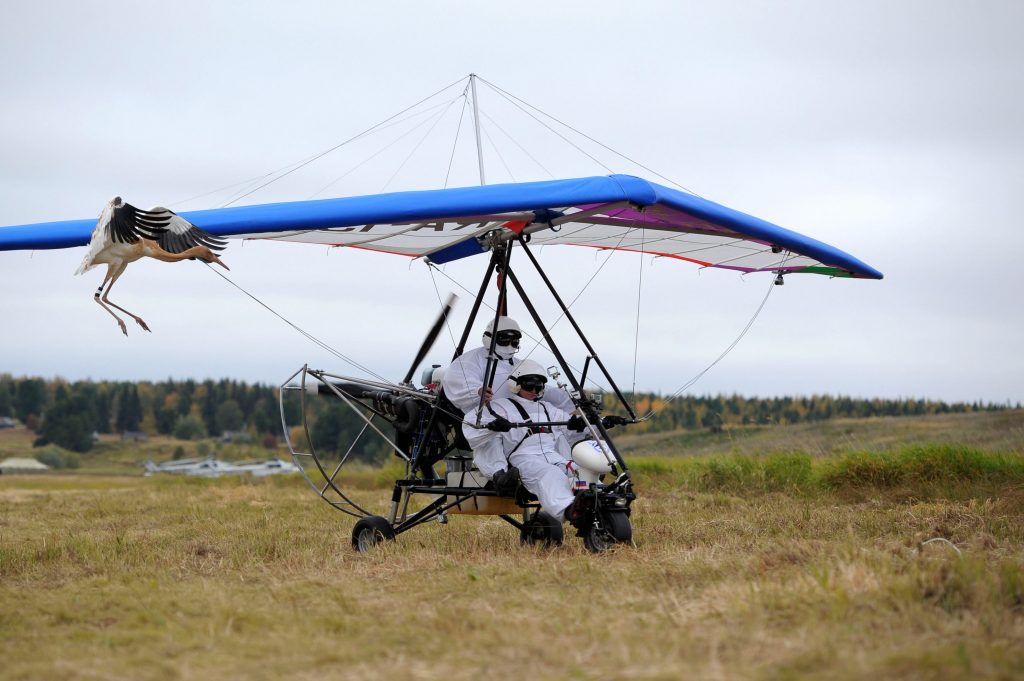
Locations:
506 346
505 352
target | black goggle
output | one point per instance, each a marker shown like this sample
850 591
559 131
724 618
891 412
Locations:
506 338
532 383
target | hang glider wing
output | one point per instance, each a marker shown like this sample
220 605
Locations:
614 212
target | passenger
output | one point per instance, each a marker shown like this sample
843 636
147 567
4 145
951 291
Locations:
464 380
540 453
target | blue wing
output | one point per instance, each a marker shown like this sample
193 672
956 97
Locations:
614 212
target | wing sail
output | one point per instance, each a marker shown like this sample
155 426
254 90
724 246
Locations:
614 212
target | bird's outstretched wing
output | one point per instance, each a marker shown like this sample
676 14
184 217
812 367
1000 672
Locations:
181 235
172 232
128 224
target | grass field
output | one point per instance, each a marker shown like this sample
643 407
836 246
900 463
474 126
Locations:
802 560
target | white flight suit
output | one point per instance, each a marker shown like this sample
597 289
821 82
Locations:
541 458
464 378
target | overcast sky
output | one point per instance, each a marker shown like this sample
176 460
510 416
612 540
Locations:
891 130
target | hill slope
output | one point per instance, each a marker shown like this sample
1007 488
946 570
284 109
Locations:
988 431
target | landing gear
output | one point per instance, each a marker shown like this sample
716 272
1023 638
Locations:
370 531
607 529
542 529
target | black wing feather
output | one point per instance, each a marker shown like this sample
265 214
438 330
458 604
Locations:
128 224
173 240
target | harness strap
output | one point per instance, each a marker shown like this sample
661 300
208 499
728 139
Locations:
526 418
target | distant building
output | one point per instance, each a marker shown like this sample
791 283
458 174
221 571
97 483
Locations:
15 466
133 436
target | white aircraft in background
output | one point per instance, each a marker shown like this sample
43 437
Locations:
261 469
215 468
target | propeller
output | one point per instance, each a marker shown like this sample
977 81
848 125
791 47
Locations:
428 342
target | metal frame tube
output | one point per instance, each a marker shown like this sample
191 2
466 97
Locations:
561 362
313 455
476 308
476 124
579 331
492 359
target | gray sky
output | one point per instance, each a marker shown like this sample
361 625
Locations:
892 130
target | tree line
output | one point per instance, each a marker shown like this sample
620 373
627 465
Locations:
68 413
721 411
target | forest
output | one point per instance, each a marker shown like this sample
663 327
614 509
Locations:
68 414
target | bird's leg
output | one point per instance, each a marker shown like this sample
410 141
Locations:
138 320
106 299
96 297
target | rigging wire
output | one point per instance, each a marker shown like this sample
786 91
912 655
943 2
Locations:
366 133
639 290
341 144
455 144
563 137
561 315
418 144
305 333
243 183
385 147
310 159
377 153
652 412
510 96
498 152
247 185
437 292
323 345
483 302
516 142
432 267
538 342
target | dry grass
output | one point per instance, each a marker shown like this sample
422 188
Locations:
148 578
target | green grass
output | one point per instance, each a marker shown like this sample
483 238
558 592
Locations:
929 470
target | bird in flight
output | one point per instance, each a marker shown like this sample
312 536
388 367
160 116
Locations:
125 233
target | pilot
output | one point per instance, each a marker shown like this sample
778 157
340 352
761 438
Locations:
464 380
540 453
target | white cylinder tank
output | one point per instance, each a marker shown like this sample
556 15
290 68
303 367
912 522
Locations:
591 460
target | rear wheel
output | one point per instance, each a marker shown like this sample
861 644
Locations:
606 531
541 528
370 531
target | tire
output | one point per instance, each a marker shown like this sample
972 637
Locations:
614 529
370 531
542 529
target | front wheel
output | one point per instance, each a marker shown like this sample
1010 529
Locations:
607 530
370 531
541 528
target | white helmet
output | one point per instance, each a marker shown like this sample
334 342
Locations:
529 373
509 334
